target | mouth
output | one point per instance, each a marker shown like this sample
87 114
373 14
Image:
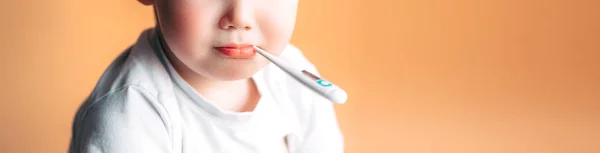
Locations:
238 51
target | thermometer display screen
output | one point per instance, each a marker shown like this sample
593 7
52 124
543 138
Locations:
314 77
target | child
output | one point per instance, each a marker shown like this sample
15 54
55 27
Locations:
193 84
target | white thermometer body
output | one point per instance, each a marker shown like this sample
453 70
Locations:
316 83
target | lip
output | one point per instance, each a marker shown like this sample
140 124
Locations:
233 50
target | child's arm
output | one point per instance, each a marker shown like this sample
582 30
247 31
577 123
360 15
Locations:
129 120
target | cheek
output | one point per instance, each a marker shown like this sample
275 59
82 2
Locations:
187 26
277 22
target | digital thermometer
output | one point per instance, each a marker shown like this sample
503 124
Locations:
316 83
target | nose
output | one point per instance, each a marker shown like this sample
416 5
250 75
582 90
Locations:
238 16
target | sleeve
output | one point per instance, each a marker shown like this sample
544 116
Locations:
127 121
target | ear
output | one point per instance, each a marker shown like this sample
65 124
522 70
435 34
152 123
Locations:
146 2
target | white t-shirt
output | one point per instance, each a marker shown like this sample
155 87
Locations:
141 105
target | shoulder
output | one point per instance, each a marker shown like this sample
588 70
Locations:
123 120
124 104
294 55
286 84
313 118
128 90
121 99
296 90
138 66
300 98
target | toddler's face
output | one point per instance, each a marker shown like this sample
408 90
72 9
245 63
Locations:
210 37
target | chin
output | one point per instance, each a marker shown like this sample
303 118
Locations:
232 74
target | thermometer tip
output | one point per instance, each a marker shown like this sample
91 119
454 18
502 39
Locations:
339 96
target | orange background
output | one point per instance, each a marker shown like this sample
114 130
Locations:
424 76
